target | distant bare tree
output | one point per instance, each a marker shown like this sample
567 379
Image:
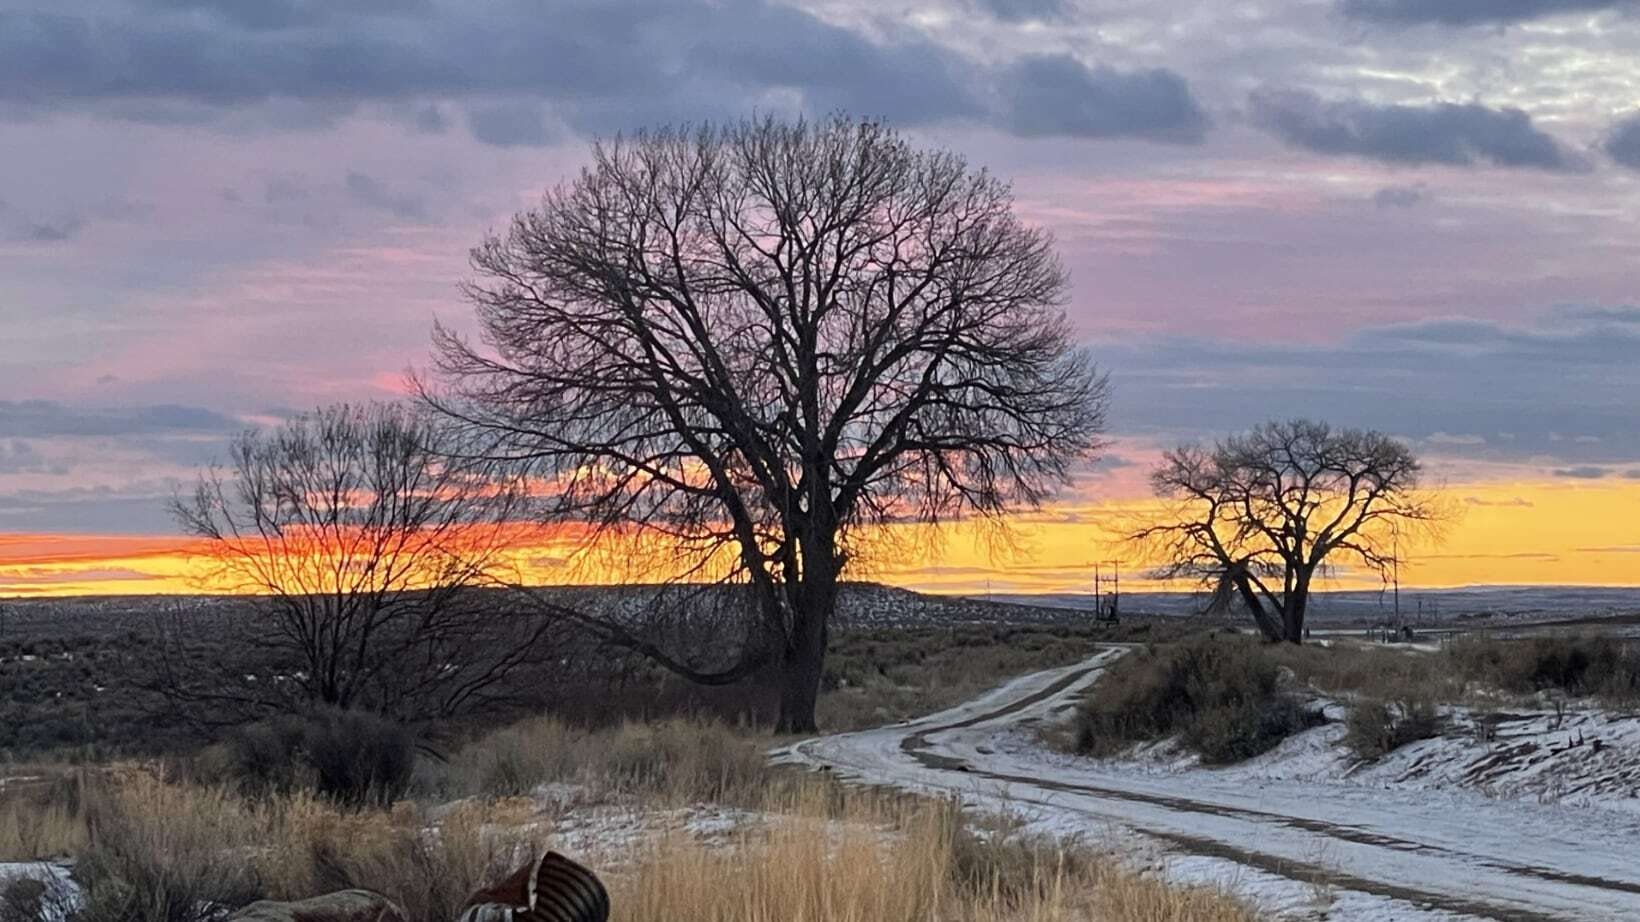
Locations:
750 341
364 538
1258 515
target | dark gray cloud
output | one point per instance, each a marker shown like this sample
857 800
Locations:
1519 502
1059 95
136 509
1023 10
1581 472
430 119
1459 134
373 193
511 125
1470 12
602 67
288 14
1399 196
1622 144
52 231
20 456
283 190
1561 388
43 418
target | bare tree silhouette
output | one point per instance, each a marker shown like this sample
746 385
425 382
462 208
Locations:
750 341
364 537
1257 515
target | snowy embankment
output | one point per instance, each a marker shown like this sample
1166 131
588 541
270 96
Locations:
1416 836
1583 757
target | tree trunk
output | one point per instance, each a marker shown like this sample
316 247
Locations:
805 656
1267 624
1292 615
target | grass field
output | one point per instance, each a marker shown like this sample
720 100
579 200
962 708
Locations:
174 839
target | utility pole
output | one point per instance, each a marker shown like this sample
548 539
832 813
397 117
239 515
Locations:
1395 564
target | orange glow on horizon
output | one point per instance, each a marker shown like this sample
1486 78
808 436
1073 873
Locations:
1525 533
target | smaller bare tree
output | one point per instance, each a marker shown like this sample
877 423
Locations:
365 543
1257 515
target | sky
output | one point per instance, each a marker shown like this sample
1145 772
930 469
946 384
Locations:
1419 216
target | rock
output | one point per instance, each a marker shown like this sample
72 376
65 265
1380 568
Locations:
341 906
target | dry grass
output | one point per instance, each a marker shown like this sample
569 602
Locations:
677 760
31 829
1229 697
161 851
175 852
1474 669
895 860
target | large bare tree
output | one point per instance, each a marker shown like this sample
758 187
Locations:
1257 515
750 341
363 539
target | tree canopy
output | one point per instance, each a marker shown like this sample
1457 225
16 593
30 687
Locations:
1257 515
751 340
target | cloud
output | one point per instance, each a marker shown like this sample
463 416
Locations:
1456 134
1059 95
1622 144
1399 196
1469 12
1518 502
372 192
1023 10
511 125
21 457
283 190
52 231
1510 389
43 418
598 70
1447 438
430 119
135 509
288 14
1581 472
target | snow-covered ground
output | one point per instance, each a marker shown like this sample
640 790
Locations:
1456 828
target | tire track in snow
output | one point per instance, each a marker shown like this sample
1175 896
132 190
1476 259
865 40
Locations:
930 749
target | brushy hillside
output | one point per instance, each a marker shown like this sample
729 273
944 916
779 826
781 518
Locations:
1229 697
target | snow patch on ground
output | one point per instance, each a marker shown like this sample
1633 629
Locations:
1297 831
1583 757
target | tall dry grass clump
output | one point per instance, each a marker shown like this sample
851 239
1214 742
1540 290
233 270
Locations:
162 852
870 859
177 852
680 760
44 826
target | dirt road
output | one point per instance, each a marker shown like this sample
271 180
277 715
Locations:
1302 849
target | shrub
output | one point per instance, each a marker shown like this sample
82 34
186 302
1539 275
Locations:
164 853
1375 729
1602 667
679 758
1225 698
353 757
359 757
